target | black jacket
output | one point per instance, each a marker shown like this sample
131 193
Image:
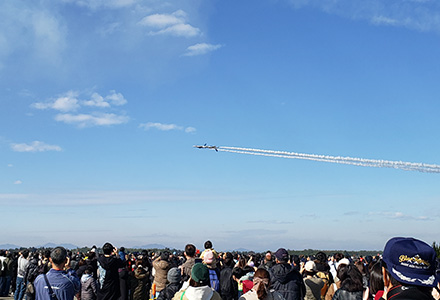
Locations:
228 286
287 281
169 292
407 293
346 295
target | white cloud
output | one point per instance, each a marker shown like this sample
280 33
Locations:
200 49
18 182
166 127
35 146
170 24
96 100
10 165
190 130
65 103
70 102
96 119
399 216
423 15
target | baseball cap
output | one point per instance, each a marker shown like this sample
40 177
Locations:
282 254
411 261
200 273
310 266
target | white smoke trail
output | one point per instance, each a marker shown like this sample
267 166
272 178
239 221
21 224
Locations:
409 166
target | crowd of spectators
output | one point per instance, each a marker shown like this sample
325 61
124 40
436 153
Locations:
406 270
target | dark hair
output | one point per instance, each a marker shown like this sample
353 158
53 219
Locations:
295 259
262 289
58 255
25 253
321 257
46 253
229 260
165 255
238 272
2 252
107 248
208 245
190 250
351 278
376 279
338 256
122 249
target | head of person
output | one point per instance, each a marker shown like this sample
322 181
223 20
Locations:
268 256
351 278
199 276
25 253
409 262
261 283
376 279
208 245
174 275
190 250
282 256
107 249
310 268
228 260
58 257
165 256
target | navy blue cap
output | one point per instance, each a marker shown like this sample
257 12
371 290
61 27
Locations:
282 254
411 261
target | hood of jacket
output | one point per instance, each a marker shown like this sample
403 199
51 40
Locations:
85 277
199 293
283 273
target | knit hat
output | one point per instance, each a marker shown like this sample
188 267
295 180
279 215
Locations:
174 275
411 261
199 273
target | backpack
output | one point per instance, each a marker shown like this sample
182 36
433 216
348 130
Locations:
213 278
326 278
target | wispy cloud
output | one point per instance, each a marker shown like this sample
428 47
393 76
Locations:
423 15
70 102
95 4
18 182
271 222
174 24
399 216
201 49
96 119
166 127
35 146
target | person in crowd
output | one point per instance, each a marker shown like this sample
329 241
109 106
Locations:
261 288
214 273
199 286
286 280
174 278
30 275
247 278
337 282
2 272
351 283
334 263
208 247
61 280
139 282
268 261
161 266
108 273
88 285
313 283
409 269
21 271
376 287
8 264
228 286
190 253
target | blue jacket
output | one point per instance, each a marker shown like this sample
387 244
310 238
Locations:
64 285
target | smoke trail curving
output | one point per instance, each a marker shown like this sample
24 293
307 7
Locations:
408 166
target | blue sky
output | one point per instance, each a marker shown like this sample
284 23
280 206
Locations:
102 101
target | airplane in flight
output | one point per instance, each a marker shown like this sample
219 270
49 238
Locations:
206 147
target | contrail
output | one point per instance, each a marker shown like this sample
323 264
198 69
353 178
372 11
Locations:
364 162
